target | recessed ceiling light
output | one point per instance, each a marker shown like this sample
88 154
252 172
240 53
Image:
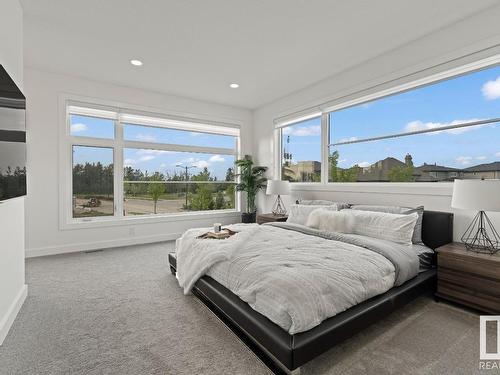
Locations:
136 62
234 85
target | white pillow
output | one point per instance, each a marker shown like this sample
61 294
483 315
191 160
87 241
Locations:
299 213
385 226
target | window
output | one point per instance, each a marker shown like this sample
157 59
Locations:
92 181
151 134
301 151
125 165
87 126
161 182
435 132
399 138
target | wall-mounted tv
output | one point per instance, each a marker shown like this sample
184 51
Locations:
12 138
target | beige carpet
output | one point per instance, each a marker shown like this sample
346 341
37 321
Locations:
120 311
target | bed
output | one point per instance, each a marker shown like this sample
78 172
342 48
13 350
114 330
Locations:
283 352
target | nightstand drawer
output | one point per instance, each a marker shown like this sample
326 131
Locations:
469 281
481 267
269 218
468 297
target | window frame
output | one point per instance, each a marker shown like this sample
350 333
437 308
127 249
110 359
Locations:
115 111
396 86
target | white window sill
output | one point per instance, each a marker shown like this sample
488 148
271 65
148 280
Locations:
100 222
403 188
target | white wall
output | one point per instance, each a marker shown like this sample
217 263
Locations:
464 42
12 288
44 235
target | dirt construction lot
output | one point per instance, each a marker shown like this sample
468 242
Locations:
132 206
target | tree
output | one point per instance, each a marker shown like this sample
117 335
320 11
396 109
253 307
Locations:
204 175
338 174
156 189
203 199
220 201
230 174
287 173
401 174
230 187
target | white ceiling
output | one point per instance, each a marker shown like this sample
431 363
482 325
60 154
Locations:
195 48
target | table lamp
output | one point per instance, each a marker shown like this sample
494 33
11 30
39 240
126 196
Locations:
479 195
278 187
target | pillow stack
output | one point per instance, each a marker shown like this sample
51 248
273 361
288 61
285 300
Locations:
417 233
299 213
391 223
385 226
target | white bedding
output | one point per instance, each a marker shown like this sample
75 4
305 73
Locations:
294 279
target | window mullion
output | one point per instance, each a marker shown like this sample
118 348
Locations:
325 140
178 147
118 170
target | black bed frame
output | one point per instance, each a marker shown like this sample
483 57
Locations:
285 353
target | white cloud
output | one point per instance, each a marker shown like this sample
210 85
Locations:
303 131
145 137
464 160
146 158
187 161
363 164
129 162
193 162
77 128
201 164
491 89
480 157
216 159
350 139
342 161
194 134
152 152
143 156
419 125
497 154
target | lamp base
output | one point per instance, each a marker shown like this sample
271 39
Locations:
279 207
481 236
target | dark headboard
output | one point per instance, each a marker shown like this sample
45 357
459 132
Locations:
437 228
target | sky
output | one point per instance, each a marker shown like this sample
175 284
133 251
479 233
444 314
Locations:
152 160
466 98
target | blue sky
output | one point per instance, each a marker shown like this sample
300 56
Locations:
466 98
153 160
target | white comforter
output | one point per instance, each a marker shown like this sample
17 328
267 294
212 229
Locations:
294 279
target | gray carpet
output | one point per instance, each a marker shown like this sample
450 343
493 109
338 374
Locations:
120 311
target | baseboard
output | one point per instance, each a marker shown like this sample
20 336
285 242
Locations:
7 320
86 246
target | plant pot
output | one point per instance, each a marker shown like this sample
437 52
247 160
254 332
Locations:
248 217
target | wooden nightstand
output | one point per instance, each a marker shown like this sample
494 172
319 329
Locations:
469 278
268 218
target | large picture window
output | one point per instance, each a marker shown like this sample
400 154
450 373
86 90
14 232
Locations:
437 132
149 166
434 133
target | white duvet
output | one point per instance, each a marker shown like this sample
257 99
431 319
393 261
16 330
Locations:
295 280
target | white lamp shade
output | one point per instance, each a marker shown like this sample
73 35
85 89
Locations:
278 187
478 195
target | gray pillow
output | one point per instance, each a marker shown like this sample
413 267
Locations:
417 233
321 202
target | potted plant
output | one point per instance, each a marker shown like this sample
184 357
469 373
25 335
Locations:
251 181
